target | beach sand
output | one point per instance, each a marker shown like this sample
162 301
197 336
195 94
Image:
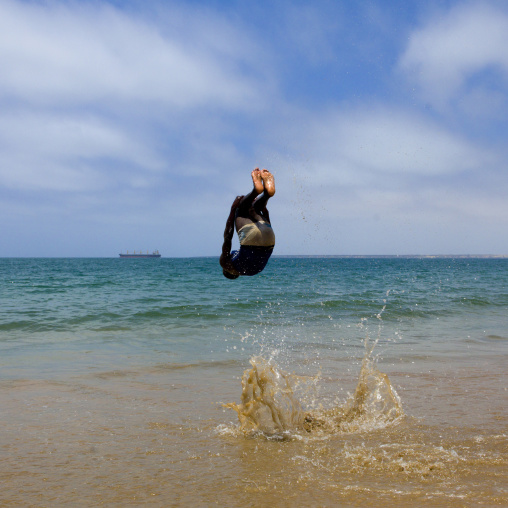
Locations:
161 437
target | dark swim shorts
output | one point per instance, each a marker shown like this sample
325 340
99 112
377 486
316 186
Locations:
250 260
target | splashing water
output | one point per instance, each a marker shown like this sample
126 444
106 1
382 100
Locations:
269 404
374 404
268 401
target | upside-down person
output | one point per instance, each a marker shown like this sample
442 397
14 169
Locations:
252 221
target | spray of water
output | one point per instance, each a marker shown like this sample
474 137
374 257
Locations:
269 404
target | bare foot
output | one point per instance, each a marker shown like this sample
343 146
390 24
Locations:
257 181
268 181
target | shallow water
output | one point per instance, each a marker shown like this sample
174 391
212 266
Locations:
115 377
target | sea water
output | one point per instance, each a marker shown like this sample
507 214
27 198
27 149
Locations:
320 382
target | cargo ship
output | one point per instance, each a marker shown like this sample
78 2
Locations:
140 255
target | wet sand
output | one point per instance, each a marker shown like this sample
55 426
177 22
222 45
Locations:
161 437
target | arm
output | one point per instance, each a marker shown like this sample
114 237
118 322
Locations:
229 230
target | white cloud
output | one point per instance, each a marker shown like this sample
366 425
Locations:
56 54
352 146
59 152
467 204
359 172
150 120
449 50
95 97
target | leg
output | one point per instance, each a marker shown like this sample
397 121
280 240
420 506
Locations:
268 182
269 191
260 202
246 202
245 212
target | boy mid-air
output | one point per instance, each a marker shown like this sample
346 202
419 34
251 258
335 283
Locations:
252 221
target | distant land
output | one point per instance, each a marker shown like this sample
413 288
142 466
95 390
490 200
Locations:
397 256
322 256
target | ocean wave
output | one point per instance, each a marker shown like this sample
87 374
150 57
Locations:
167 367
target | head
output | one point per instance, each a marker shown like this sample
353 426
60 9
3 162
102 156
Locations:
229 275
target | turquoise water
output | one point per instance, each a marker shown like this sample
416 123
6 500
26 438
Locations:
60 315
114 372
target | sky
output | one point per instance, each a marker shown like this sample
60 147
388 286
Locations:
132 125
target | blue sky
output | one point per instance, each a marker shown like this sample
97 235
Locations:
133 125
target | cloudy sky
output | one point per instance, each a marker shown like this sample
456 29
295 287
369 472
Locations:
133 124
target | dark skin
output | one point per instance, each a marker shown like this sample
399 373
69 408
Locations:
225 257
244 210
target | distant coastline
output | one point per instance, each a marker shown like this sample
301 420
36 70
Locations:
396 256
302 256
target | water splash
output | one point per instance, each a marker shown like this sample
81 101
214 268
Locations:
270 406
374 404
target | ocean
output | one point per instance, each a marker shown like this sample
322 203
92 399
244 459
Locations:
320 382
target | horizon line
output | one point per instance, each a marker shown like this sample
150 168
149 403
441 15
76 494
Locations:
345 256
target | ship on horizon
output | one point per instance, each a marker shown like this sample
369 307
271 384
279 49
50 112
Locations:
140 255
